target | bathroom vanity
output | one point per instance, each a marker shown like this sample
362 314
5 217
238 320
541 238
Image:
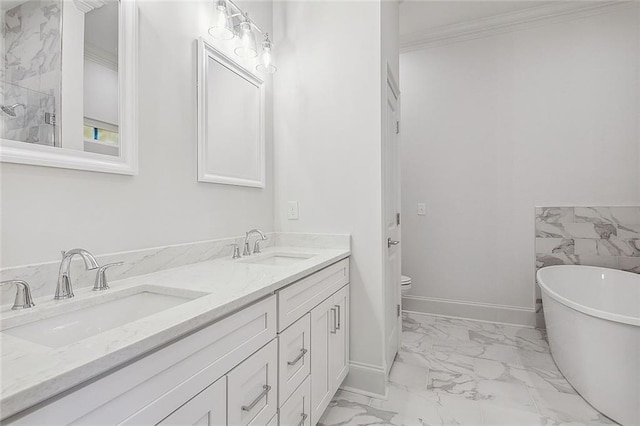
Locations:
253 341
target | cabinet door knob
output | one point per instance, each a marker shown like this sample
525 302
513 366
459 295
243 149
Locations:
298 358
338 323
302 420
335 321
265 391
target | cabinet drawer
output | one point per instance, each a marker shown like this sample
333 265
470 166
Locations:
296 411
294 357
253 388
208 408
151 388
300 297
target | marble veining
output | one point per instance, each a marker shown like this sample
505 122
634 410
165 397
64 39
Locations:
31 69
42 277
594 236
448 372
32 373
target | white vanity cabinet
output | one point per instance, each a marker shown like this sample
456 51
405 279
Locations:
277 361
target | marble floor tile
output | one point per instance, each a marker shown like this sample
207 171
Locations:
528 376
496 414
412 358
532 341
534 359
414 341
561 408
446 331
451 371
347 413
411 377
514 395
496 351
429 408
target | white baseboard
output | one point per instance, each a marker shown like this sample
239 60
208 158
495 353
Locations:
366 379
476 311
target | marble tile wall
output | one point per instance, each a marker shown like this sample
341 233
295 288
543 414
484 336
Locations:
594 236
31 69
42 276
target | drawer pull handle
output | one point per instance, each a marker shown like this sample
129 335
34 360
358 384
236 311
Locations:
338 326
266 389
302 420
303 351
335 321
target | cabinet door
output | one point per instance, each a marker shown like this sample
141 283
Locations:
208 408
339 341
322 326
253 388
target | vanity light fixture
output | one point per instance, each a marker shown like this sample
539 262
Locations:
247 40
266 62
222 28
230 22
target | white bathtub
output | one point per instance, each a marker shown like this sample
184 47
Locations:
593 323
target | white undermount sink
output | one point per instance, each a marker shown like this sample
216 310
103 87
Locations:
69 327
278 259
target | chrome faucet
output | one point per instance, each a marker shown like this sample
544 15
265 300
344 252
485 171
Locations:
64 290
101 282
23 294
256 247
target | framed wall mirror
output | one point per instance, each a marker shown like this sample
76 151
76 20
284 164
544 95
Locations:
68 84
231 121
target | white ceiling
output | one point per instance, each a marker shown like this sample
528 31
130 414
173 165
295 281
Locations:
423 15
101 27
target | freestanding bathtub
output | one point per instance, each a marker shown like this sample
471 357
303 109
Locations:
593 324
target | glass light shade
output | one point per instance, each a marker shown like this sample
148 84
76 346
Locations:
222 28
266 62
247 41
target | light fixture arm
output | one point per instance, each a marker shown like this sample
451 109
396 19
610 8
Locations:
239 13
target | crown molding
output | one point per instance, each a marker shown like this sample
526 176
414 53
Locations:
507 22
86 6
100 56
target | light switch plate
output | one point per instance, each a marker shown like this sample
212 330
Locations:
422 209
292 210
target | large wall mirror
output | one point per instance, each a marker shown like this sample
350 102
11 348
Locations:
68 84
231 127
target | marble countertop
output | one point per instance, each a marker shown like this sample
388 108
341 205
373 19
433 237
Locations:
32 373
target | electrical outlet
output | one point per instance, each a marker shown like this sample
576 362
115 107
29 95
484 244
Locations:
292 210
422 209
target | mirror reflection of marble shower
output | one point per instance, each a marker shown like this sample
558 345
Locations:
30 71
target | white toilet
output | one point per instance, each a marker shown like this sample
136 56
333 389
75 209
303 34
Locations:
405 284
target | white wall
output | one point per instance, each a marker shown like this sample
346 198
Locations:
100 92
495 126
328 153
45 210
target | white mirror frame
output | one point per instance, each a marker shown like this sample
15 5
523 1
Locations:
205 53
127 163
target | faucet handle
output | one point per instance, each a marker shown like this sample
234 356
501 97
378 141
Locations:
256 245
101 276
236 250
23 294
